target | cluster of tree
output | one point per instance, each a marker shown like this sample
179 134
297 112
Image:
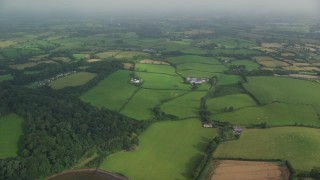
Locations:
204 113
59 129
160 115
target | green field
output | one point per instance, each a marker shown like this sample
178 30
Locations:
270 89
77 79
197 73
272 114
163 69
141 105
104 94
229 80
10 132
250 65
167 150
234 42
201 67
5 77
162 81
185 106
29 64
10 53
300 146
193 59
236 101
131 54
107 54
80 56
233 52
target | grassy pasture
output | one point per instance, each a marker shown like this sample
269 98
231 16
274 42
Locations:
250 65
131 54
141 105
193 59
269 89
29 64
197 73
229 80
10 132
77 79
162 81
235 100
167 150
104 94
5 77
107 54
273 114
185 106
163 69
10 53
234 42
241 52
80 56
300 146
201 67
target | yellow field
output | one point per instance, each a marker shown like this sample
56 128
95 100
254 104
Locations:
107 54
292 68
270 62
148 61
8 43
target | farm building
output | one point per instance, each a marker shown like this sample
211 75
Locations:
237 130
136 81
196 80
206 125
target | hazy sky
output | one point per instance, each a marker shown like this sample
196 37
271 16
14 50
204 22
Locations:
87 6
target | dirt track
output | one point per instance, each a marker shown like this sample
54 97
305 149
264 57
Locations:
246 170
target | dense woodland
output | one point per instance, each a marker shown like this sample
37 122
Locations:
59 129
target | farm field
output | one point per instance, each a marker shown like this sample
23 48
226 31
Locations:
80 56
7 43
270 62
197 74
185 106
236 101
300 146
167 150
193 59
29 64
234 42
162 69
141 105
162 81
77 79
10 132
229 80
270 89
131 54
273 114
148 61
104 94
107 54
6 77
201 67
244 170
250 65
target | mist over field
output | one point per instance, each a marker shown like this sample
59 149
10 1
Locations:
303 7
